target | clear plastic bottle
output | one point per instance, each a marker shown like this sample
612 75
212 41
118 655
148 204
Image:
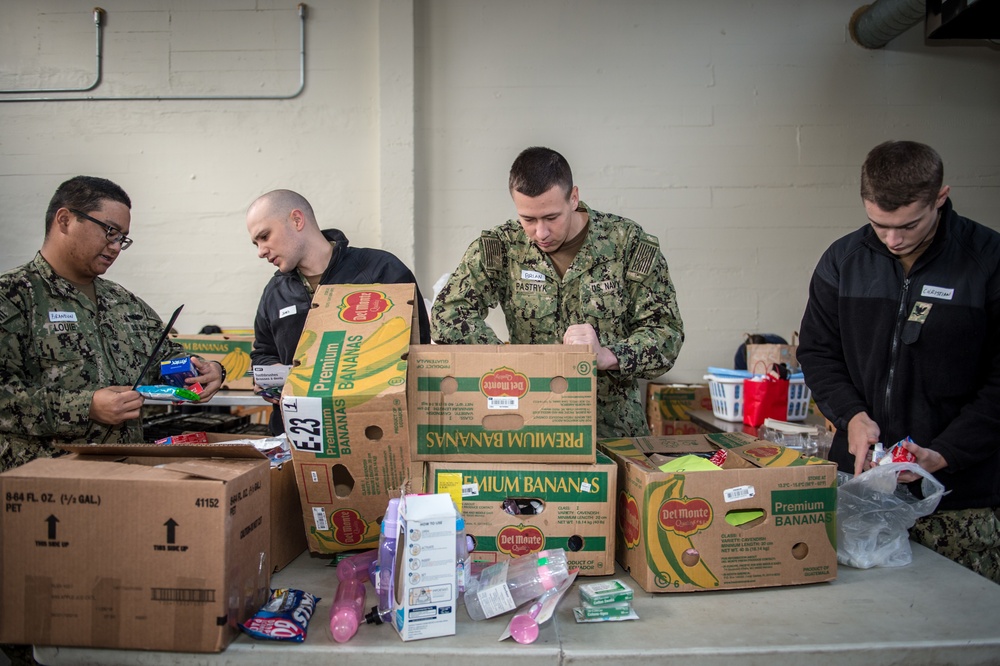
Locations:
461 557
506 585
384 579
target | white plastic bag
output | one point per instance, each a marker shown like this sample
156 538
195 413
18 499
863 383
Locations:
874 514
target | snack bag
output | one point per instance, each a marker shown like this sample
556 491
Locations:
284 617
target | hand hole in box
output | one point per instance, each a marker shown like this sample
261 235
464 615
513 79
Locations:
744 519
558 385
343 482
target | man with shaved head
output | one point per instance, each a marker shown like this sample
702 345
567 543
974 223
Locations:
283 226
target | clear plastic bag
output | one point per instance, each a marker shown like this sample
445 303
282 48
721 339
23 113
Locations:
874 514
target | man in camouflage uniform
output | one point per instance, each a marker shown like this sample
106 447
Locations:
565 273
72 343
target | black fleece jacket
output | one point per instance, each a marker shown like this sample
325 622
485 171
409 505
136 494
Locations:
920 353
284 304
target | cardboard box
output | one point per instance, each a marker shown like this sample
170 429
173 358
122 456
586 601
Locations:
344 409
426 592
676 428
287 538
574 507
669 403
139 547
675 532
232 351
500 403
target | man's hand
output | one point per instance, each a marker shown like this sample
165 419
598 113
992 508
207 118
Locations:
584 334
929 459
862 432
114 405
210 377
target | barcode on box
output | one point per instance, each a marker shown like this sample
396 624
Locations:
739 493
183 595
502 402
319 517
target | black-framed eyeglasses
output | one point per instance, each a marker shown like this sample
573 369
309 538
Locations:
112 234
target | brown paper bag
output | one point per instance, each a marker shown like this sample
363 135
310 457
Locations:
771 354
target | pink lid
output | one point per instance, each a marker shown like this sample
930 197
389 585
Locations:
545 576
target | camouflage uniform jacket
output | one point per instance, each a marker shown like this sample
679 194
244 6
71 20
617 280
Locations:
618 283
56 348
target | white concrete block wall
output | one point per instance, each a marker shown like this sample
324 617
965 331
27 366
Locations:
734 131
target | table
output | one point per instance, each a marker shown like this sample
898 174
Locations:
930 612
707 419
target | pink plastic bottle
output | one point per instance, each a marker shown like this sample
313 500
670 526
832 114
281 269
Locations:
348 610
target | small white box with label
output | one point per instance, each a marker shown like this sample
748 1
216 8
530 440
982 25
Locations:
425 601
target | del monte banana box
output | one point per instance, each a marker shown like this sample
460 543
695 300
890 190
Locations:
517 509
667 407
503 403
766 518
344 410
232 351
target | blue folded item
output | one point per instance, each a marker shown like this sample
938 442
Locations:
743 374
729 372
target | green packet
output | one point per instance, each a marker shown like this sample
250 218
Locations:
605 592
165 392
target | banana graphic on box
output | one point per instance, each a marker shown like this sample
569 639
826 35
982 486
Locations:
237 363
671 555
379 365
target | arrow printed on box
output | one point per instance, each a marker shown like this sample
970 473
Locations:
52 520
171 526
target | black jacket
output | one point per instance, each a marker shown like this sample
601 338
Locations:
276 336
919 353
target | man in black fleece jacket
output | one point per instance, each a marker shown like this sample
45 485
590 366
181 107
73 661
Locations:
283 226
901 337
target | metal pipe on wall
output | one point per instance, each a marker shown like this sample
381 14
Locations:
91 98
875 25
99 50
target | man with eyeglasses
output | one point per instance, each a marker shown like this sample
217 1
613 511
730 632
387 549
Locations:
901 337
72 343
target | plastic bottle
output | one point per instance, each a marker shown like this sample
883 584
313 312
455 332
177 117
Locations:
461 557
349 603
506 585
384 575
356 566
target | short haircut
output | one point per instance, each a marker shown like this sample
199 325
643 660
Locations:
283 202
536 170
899 173
84 193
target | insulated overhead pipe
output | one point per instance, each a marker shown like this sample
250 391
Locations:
875 25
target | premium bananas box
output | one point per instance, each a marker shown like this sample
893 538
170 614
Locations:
344 410
139 547
667 407
766 518
516 509
232 351
503 403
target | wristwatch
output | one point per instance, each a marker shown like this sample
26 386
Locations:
222 368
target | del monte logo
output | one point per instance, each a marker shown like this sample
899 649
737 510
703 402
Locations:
628 519
518 540
764 451
504 382
685 516
364 306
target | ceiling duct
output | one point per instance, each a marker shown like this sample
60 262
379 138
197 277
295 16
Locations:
875 25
